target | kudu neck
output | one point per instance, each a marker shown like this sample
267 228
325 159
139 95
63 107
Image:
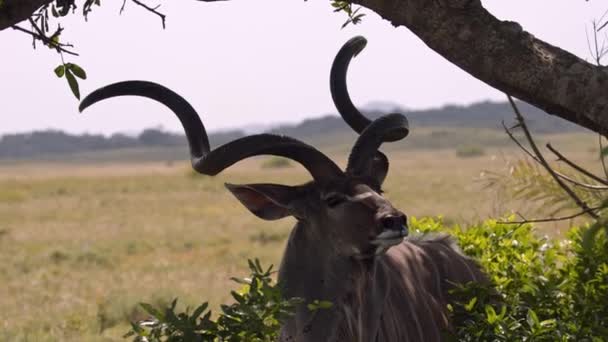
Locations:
315 266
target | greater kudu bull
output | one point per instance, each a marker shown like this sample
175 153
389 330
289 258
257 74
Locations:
347 246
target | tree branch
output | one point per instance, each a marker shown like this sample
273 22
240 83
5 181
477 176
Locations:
46 40
503 55
535 158
551 219
561 157
151 9
16 11
546 165
581 184
602 159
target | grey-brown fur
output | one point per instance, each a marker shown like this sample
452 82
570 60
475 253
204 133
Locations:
399 296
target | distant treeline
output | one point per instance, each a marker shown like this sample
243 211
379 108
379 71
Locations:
482 115
52 142
487 115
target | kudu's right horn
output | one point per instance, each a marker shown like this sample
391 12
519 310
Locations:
388 128
209 162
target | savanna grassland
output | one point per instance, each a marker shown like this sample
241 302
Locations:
82 243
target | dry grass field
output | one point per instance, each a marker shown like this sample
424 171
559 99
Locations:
82 244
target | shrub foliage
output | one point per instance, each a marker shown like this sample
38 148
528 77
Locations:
255 316
541 290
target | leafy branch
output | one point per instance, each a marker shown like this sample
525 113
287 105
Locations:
256 315
354 17
40 22
558 189
70 71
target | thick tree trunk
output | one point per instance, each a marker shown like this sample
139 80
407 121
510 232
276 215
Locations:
503 55
15 11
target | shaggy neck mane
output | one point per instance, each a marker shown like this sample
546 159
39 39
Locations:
416 276
399 296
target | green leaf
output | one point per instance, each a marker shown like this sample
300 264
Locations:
346 23
73 83
241 281
319 304
199 311
548 323
324 304
152 310
77 70
491 315
54 40
532 319
136 328
471 304
60 70
589 236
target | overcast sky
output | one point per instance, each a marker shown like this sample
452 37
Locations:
249 62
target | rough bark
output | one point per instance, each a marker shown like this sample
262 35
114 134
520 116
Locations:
15 11
503 55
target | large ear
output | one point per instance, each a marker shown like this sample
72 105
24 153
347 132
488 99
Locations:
266 201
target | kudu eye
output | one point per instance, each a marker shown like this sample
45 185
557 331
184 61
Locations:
334 200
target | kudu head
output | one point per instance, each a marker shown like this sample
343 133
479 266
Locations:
345 209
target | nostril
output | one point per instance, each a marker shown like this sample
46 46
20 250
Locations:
391 223
404 220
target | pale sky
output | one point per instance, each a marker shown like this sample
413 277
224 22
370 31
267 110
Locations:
249 62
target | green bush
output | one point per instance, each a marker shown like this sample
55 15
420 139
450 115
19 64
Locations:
255 316
541 290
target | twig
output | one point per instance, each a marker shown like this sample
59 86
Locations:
58 46
151 9
600 20
522 147
576 167
602 155
559 174
551 219
581 184
589 43
544 163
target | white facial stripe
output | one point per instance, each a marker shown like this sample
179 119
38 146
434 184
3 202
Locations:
361 197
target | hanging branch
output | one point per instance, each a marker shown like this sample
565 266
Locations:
551 219
561 157
151 9
521 123
581 184
60 47
559 174
59 9
602 159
